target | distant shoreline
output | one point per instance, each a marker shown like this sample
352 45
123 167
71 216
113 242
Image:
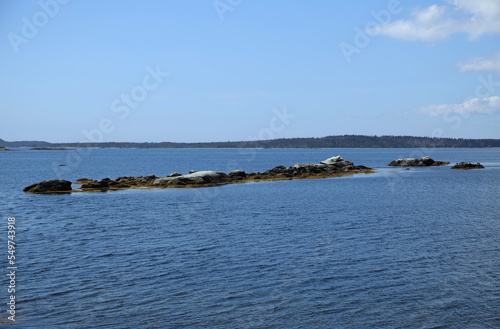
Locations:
328 142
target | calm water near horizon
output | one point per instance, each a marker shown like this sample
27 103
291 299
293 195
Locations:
415 248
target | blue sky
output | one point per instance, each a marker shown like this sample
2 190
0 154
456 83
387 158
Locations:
237 69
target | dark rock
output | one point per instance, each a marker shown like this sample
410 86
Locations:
192 171
103 184
425 161
277 170
115 184
467 166
124 178
237 174
50 186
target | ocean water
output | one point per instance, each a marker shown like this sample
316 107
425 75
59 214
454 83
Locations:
415 248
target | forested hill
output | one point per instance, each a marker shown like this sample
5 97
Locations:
345 141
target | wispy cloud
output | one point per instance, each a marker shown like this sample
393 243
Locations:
491 64
488 105
434 23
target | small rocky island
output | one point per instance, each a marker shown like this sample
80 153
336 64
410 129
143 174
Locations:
332 167
4 149
424 161
467 166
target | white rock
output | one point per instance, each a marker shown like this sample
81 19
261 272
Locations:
333 160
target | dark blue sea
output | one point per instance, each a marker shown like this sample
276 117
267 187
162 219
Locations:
399 248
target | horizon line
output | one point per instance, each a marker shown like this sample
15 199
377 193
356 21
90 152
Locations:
249 141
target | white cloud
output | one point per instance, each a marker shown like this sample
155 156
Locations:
476 105
491 63
473 17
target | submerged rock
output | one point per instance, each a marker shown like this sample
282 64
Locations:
49 186
467 166
424 161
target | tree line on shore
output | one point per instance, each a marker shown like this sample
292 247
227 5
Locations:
343 141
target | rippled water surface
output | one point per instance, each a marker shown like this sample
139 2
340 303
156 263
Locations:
415 248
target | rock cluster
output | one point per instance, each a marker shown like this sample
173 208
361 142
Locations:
4 149
335 166
122 182
467 166
424 161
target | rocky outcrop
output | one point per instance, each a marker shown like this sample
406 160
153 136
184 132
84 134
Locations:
197 178
424 161
50 186
237 174
332 167
467 166
4 149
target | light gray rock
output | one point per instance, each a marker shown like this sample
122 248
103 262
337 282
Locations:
196 178
334 161
175 174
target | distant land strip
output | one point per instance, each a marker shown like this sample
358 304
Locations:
344 141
